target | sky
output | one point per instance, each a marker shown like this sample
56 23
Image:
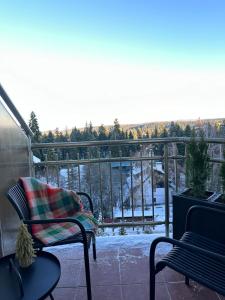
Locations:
73 62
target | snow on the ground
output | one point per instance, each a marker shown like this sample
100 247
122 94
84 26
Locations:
159 212
142 242
36 159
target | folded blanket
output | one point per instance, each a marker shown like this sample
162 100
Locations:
48 202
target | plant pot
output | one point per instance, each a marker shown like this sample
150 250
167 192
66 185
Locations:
220 200
181 204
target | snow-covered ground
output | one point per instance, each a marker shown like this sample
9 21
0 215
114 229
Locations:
141 241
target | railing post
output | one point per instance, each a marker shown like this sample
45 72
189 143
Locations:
152 184
111 189
46 167
78 169
68 171
89 173
143 206
57 168
121 184
166 184
100 185
131 189
175 152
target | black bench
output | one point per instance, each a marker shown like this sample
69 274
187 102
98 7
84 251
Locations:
200 257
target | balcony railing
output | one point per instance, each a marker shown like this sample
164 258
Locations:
130 181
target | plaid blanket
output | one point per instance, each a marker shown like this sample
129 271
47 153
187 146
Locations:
48 202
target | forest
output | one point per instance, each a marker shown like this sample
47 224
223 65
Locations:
210 128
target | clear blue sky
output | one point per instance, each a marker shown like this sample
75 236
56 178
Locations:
178 39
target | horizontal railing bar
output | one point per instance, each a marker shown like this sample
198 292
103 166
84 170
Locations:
122 142
131 224
97 160
217 160
115 159
15 112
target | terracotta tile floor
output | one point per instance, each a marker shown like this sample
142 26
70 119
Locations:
121 272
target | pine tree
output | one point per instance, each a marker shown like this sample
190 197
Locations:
116 130
139 133
33 124
102 133
131 136
187 131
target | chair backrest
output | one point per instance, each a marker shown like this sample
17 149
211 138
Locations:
18 200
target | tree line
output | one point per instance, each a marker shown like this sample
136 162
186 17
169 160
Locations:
116 132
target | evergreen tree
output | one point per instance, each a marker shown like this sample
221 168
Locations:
197 166
130 136
116 130
50 137
139 133
75 136
57 135
156 147
134 132
33 124
147 135
155 133
102 136
187 131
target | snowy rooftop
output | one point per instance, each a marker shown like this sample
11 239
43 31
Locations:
121 272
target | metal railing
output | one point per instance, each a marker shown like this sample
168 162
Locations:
122 175
15 112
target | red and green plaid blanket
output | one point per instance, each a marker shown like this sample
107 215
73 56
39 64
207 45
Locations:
48 202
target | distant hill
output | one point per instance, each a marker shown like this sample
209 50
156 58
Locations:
183 123
152 125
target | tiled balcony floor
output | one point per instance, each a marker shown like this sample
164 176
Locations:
121 272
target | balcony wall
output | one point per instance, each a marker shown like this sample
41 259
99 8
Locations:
14 162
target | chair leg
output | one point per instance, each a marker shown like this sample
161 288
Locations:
87 272
186 280
51 297
152 285
94 247
152 269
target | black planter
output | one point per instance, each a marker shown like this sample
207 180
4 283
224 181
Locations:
181 204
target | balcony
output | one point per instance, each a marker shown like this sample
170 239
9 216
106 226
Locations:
132 196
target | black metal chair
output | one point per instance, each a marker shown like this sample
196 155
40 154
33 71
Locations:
18 200
198 255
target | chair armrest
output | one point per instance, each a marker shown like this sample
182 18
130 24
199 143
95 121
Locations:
89 200
60 220
183 245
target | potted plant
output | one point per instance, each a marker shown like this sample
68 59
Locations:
197 174
197 167
222 174
221 199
